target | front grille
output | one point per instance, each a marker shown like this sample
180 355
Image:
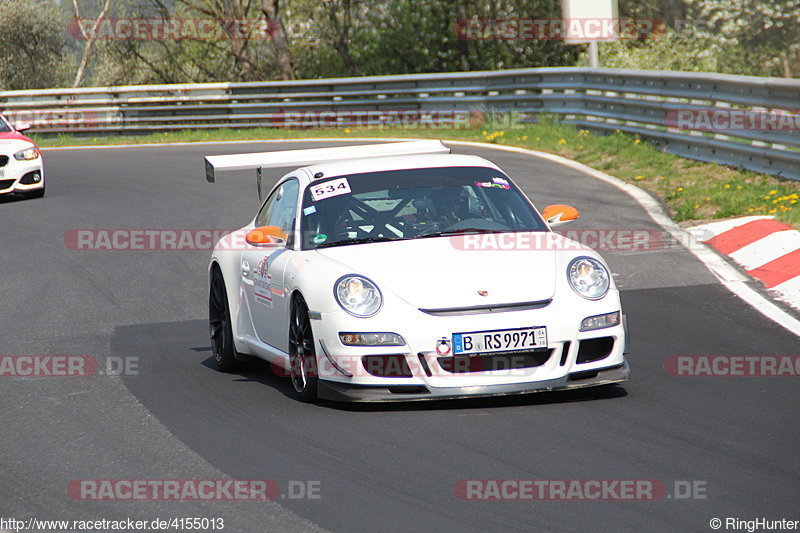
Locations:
5 184
3 160
387 366
490 308
462 364
594 349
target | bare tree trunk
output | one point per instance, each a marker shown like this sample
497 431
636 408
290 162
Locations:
283 56
240 48
787 70
342 41
87 49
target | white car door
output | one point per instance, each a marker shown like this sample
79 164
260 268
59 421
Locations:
263 268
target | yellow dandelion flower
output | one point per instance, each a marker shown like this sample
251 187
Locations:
726 186
773 192
750 210
562 141
484 132
347 130
738 187
636 141
639 178
771 211
524 137
680 189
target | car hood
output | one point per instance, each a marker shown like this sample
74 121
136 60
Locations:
438 272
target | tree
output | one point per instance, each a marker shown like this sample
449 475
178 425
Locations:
752 37
34 52
766 32
88 36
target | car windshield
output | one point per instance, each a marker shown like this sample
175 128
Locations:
413 204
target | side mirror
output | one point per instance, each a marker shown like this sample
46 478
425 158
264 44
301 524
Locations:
22 126
266 236
558 214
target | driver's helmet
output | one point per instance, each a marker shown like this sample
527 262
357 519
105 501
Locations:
451 203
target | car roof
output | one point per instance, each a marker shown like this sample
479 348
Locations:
377 164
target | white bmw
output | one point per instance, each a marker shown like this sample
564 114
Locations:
21 170
399 271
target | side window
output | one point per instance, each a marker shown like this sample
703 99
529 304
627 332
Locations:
280 208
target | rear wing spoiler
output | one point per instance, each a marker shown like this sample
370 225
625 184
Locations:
301 158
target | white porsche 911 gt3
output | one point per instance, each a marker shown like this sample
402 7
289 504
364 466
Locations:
21 170
399 271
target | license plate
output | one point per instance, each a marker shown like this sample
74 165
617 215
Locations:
500 340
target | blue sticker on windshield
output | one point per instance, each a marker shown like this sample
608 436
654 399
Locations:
310 210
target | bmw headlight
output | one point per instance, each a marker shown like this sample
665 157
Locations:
28 154
588 277
358 296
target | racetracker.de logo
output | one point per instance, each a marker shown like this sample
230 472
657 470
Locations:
584 29
66 366
742 366
733 120
609 240
152 239
173 489
47 366
560 489
175 29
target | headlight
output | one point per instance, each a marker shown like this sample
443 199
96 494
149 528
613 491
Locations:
588 277
27 154
371 339
358 296
607 320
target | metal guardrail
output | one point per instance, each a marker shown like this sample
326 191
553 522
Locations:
690 114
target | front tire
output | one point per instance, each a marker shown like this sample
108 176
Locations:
38 193
302 354
219 324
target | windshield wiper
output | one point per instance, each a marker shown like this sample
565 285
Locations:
459 232
365 240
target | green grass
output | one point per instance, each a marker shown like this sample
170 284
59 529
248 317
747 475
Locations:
691 190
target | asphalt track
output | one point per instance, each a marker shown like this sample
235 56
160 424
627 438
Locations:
380 468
